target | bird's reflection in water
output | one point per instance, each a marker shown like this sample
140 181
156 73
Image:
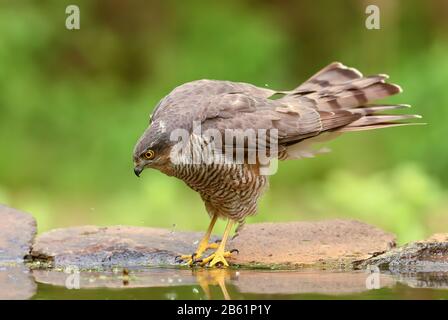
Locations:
213 277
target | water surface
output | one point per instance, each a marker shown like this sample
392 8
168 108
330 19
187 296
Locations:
237 284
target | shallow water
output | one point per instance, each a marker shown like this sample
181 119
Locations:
205 284
243 284
186 292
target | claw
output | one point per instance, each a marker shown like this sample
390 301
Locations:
195 258
235 250
191 259
188 258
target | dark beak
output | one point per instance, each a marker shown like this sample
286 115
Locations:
138 170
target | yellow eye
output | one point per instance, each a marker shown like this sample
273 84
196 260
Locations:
149 154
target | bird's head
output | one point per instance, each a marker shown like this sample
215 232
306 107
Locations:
151 149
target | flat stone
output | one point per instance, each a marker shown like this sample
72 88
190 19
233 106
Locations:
17 231
96 247
330 244
16 283
430 255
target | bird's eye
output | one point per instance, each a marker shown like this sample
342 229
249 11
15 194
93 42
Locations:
149 154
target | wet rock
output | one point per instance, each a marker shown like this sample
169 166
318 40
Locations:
16 283
331 243
92 247
429 255
17 231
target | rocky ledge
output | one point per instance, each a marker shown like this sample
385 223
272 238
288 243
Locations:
17 231
430 255
331 244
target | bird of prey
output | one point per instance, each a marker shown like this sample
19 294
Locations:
335 100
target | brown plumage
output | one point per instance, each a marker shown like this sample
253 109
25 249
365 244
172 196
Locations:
335 100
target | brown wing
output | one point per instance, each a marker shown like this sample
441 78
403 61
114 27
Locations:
335 99
294 123
193 101
191 94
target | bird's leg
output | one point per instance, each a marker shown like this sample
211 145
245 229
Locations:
203 244
218 257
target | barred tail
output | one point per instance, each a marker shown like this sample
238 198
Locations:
337 89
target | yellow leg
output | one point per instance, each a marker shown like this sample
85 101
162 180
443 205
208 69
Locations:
220 254
203 244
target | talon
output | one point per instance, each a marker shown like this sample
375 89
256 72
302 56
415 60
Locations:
235 250
187 258
178 259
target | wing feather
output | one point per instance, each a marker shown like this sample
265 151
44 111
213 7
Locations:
336 99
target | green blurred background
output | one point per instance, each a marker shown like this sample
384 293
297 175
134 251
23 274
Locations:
73 103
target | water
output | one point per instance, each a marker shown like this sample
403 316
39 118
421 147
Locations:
222 284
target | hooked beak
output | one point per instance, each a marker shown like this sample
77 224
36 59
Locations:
138 170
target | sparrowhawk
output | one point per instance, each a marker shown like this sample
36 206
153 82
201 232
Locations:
335 100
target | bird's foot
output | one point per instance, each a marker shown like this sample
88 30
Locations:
217 259
192 259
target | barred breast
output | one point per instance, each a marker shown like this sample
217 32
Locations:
228 190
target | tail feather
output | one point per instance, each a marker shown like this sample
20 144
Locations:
343 98
371 109
338 87
334 73
352 98
377 119
357 83
377 126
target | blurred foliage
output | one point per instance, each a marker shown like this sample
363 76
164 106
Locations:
73 103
